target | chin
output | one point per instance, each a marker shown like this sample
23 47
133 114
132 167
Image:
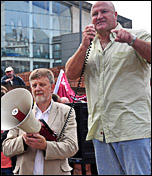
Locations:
40 99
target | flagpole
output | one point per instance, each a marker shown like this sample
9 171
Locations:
58 82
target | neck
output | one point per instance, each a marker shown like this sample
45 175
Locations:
104 39
43 106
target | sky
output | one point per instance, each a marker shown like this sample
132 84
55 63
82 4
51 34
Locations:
138 11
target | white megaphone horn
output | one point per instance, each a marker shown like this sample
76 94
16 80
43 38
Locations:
16 111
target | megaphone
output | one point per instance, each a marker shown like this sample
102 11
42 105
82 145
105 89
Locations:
16 111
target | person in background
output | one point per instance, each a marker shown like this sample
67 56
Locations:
64 100
118 92
35 154
59 99
56 98
10 78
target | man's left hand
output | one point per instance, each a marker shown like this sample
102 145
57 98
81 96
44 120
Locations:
122 36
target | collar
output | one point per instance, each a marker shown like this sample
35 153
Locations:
46 111
112 36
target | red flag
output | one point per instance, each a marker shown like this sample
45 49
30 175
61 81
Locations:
63 89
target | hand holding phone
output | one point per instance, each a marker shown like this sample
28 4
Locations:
88 35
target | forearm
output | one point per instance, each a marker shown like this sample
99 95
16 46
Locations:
74 65
143 49
13 147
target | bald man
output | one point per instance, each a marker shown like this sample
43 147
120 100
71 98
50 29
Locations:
117 82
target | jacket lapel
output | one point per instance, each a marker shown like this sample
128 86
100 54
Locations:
52 115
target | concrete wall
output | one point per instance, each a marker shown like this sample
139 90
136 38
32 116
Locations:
69 44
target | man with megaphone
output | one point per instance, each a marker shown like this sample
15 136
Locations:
36 153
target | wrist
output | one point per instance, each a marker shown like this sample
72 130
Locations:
133 40
83 47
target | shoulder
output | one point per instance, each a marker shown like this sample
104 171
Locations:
17 77
4 77
61 106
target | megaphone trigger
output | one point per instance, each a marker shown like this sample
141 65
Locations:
45 131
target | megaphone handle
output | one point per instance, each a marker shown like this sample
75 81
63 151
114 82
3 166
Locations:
47 132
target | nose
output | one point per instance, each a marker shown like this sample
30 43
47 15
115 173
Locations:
37 88
100 15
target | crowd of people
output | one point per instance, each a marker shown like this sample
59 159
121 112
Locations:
117 82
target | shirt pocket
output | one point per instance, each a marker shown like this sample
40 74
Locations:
121 61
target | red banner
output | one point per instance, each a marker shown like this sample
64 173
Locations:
63 89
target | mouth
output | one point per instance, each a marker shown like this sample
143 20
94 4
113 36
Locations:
100 22
39 93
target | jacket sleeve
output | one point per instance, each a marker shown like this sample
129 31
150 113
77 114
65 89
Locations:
13 144
67 146
20 80
3 80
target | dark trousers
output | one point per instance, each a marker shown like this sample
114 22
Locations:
6 171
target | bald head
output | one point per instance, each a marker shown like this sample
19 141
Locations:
100 3
64 100
104 17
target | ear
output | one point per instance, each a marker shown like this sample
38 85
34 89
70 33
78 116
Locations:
116 15
52 88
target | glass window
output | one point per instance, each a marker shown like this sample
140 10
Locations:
57 54
61 19
59 8
19 66
57 46
41 65
16 19
22 6
40 7
41 21
16 34
41 51
41 36
15 52
16 42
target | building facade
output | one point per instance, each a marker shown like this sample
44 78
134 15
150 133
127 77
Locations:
36 34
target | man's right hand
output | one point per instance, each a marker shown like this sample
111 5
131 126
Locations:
88 35
7 80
